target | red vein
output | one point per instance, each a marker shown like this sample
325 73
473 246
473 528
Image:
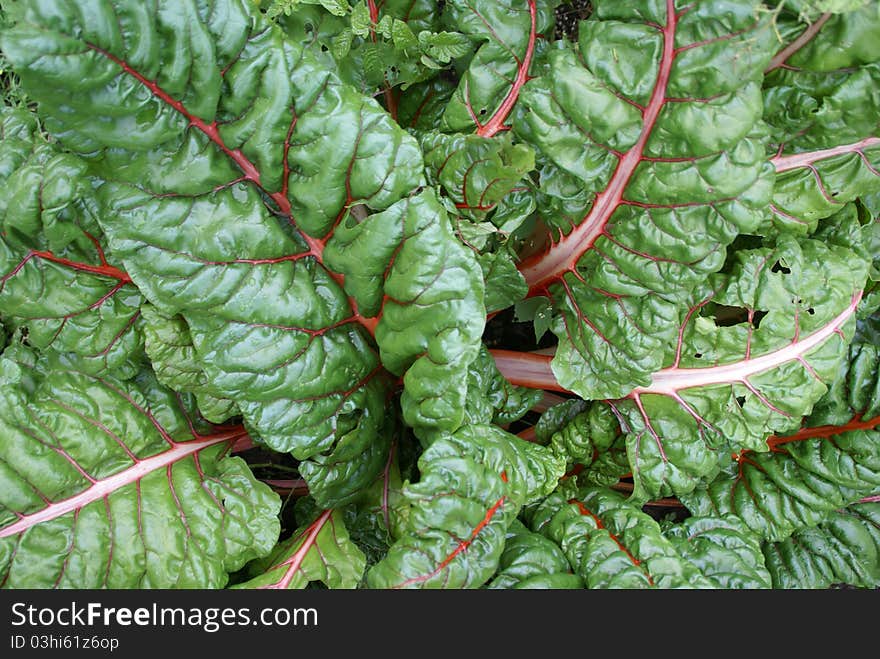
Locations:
808 158
495 124
251 173
463 545
535 372
803 39
541 270
104 270
589 513
823 432
107 486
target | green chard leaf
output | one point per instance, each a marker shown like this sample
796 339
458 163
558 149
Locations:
753 355
490 87
724 550
173 356
655 118
472 486
422 105
844 549
821 87
475 172
832 461
55 280
532 561
110 484
321 551
492 399
224 186
823 109
612 544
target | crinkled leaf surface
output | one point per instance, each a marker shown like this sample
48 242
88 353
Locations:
821 87
724 550
754 353
491 398
475 172
174 360
654 120
845 549
610 543
321 551
530 560
55 279
823 108
831 462
225 182
107 483
471 488
489 89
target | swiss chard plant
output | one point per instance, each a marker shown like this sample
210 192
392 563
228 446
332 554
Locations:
426 294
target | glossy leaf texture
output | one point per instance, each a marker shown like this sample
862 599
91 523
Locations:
832 461
111 484
755 351
844 549
489 89
612 544
492 399
652 122
475 172
56 283
472 486
821 87
174 360
320 552
225 183
822 106
531 561
724 550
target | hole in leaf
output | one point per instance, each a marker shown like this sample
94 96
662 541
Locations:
741 401
757 317
698 355
483 112
324 48
726 316
811 311
778 267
